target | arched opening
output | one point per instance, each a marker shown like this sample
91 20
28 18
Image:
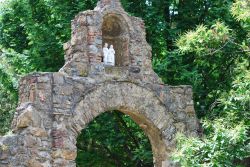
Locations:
114 32
113 139
142 106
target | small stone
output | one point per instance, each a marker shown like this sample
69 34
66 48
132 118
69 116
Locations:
93 49
56 154
76 40
135 69
66 154
13 151
58 78
98 41
143 126
34 163
38 132
82 20
190 110
4 155
67 90
5 162
178 90
43 79
90 20
44 155
189 92
83 69
180 127
69 155
28 117
30 141
66 46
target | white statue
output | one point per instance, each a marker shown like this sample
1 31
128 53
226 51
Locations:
105 53
108 55
111 56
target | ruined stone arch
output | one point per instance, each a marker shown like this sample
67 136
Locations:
54 107
141 104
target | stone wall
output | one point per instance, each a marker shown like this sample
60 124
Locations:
54 108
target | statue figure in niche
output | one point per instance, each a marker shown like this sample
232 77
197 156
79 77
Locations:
108 55
105 53
111 56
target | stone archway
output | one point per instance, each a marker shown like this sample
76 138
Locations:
140 104
55 107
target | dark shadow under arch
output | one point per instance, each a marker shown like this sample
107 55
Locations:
114 139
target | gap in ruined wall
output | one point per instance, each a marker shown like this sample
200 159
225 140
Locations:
114 33
110 133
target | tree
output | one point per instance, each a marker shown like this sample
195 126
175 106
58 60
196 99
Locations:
12 66
226 127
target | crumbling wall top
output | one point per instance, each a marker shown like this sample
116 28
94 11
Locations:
108 24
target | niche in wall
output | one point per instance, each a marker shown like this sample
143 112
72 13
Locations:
114 32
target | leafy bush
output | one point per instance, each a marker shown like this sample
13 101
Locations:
220 147
227 137
12 67
226 127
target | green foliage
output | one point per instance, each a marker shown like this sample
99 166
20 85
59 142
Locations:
113 139
221 147
236 102
12 67
205 58
40 28
227 125
203 41
227 137
241 10
7 109
213 58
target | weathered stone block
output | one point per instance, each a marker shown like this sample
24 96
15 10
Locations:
58 78
29 117
38 132
190 110
4 154
82 20
34 163
30 141
66 46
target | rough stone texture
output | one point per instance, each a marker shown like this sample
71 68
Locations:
55 107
